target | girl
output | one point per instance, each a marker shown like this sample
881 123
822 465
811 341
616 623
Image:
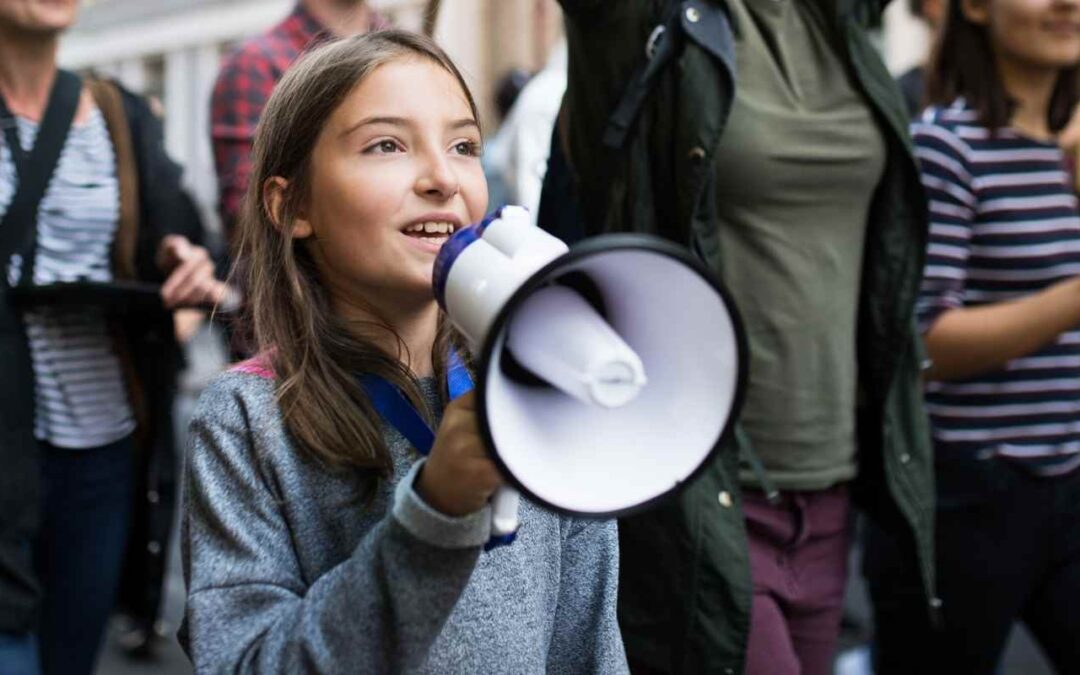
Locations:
314 539
1000 307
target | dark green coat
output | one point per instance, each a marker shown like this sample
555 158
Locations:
685 584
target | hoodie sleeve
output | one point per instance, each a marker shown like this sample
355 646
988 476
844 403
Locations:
249 607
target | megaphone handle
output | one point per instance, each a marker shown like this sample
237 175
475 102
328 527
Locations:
504 517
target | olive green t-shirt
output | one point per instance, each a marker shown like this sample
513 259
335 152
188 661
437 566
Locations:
796 169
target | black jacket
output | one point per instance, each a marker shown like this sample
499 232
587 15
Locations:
151 357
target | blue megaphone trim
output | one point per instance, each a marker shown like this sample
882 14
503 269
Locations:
450 251
498 540
448 254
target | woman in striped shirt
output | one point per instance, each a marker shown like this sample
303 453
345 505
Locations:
77 434
1000 310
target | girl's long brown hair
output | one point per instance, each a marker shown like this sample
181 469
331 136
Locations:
316 357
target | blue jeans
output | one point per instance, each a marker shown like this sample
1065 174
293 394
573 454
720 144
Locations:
18 654
80 550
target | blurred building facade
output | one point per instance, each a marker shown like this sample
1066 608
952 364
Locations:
171 50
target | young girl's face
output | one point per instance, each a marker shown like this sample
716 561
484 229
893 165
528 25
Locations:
395 171
1031 33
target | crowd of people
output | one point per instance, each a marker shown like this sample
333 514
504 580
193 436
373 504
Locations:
908 277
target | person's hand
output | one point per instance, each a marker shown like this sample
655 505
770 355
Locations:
1069 138
459 477
186 323
190 270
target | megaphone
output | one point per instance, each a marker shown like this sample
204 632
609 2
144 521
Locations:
607 374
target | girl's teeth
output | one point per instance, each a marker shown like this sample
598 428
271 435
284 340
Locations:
432 228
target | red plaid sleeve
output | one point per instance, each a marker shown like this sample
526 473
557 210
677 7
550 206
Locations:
243 86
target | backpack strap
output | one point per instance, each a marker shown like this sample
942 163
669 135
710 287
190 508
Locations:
660 49
18 229
111 103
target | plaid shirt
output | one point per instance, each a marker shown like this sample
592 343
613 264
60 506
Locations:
243 86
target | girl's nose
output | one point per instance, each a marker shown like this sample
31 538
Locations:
437 179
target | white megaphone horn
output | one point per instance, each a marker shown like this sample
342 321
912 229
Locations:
607 375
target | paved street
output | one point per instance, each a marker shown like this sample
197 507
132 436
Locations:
171 659
206 356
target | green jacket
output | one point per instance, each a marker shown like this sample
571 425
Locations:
685 586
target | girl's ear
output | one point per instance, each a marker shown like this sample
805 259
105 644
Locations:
273 194
976 11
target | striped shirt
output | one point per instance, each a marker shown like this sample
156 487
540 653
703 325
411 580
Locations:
80 395
1004 224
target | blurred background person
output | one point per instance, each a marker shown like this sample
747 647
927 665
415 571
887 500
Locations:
516 159
249 74
913 81
506 94
86 194
1000 307
243 86
793 182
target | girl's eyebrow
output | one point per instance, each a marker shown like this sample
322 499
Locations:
463 123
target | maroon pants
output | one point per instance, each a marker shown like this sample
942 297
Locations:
798 562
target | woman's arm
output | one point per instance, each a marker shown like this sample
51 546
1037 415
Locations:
966 342
249 607
586 637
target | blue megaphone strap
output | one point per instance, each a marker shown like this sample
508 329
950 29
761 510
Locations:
398 412
458 379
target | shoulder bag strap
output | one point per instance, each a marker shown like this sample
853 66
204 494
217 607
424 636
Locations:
35 169
111 104
661 49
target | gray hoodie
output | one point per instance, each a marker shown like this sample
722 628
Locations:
288 573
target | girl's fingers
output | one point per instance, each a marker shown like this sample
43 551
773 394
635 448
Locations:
486 476
460 417
465 403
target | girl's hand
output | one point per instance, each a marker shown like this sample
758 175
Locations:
459 477
190 271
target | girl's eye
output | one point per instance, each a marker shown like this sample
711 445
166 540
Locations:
383 147
468 148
